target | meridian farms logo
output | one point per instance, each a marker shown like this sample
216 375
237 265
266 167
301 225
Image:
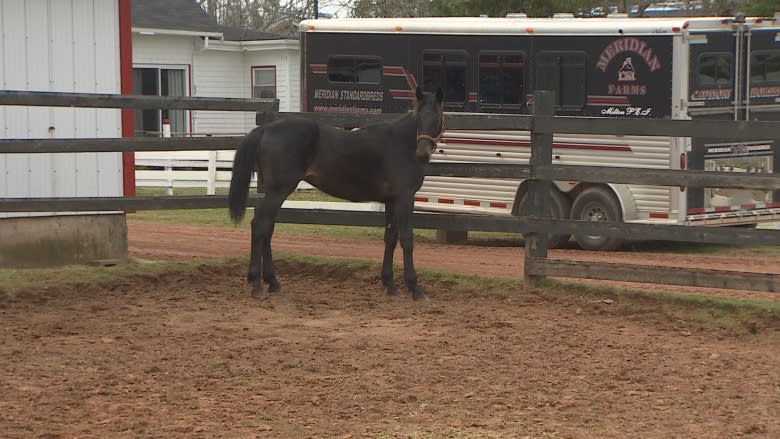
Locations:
628 45
627 73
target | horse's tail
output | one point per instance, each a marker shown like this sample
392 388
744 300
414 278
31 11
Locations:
243 165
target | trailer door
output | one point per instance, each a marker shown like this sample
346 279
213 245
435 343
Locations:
734 75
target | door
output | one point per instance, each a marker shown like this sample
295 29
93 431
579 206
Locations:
734 75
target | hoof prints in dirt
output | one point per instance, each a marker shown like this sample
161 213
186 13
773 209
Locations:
191 354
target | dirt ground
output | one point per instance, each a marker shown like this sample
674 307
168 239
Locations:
193 355
168 242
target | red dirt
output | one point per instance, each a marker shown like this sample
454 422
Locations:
192 355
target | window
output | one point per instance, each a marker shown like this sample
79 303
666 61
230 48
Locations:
264 82
448 71
715 69
501 81
355 69
564 74
154 81
765 67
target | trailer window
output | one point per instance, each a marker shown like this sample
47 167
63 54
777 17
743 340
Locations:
448 71
355 69
564 74
501 81
765 67
715 69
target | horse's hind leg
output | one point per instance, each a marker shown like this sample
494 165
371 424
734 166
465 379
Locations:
261 263
391 240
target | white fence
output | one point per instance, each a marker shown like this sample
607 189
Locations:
208 170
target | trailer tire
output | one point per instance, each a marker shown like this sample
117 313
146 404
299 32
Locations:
560 208
596 204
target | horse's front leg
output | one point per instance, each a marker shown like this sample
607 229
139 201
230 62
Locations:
403 220
391 240
269 274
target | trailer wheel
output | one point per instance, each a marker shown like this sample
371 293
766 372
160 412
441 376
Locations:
596 204
560 208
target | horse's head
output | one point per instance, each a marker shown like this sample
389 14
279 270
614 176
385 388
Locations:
430 122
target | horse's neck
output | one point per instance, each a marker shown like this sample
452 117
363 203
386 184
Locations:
406 126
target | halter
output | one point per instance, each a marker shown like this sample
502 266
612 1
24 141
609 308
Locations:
434 140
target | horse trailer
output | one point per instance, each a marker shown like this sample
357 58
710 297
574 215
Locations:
722 68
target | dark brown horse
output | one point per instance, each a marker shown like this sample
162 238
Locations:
381 162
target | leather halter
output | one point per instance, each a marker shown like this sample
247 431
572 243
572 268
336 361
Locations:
434 140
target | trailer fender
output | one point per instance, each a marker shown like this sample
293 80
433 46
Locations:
626 199
563 188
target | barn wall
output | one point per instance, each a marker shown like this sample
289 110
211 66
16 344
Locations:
65 46
60 46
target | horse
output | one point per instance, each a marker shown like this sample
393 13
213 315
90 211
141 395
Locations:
380 162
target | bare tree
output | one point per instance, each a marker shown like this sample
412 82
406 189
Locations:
391 8
276 16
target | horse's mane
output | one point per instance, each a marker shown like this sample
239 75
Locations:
389 123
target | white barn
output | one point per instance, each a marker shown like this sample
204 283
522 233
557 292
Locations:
62 46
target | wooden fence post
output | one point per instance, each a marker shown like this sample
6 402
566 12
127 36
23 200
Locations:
538 190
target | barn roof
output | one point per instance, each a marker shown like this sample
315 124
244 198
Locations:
187 15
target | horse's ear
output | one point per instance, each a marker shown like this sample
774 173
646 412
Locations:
439 95
419 93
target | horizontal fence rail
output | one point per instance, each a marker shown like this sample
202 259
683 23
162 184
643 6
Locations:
94 100
736 280
540 172
458 222
656 177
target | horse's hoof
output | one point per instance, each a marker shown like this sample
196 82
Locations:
275 289
420 297
392 291
259 295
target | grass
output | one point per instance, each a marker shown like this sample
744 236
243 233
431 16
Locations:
219 218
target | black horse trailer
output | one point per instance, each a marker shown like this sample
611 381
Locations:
616 67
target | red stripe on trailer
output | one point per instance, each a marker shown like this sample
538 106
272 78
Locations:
662 215
472 203
446 201
394 71
421 199
721 209
410 80
499 205
319 68
608 100
402 94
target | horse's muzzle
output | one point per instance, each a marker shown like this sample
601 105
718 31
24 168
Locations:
426 146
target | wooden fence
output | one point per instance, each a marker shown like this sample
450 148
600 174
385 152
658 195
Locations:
540 171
